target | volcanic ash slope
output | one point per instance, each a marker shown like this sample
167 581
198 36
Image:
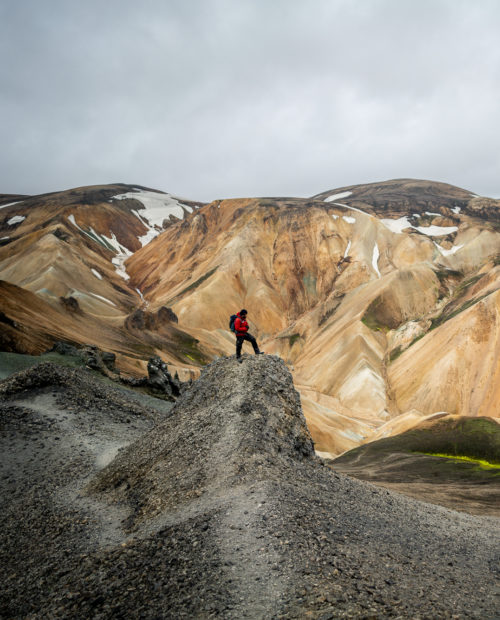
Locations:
220 510
230 514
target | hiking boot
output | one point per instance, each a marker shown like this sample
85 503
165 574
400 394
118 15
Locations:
260 353
239 359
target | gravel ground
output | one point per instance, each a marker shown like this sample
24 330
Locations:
217 508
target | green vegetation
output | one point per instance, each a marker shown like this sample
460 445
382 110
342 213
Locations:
195 284
446 316
477 438
395 353
188 346
481 462
293 339
310 284
371 317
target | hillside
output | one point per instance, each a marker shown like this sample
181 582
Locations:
382 298
453 461
216 508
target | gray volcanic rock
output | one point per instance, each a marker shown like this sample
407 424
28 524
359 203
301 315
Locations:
222 510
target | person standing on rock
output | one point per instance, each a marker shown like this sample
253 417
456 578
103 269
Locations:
241 330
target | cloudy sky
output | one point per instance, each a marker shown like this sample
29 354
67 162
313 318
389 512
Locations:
223 98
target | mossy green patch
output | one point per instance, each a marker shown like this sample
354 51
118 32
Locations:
309 282
481 462
371 317
194 284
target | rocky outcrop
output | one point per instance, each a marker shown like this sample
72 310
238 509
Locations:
159 380
142 319
70 304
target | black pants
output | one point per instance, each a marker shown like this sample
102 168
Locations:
239 343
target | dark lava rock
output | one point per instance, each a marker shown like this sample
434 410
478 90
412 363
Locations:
221 510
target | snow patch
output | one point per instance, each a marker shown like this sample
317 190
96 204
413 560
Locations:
17 219
349 219
376 254
452 250
436 231
335 217
456 210
157 207
397 226
2 238
347 248
11 204
337 196
96 273
431 213
119 263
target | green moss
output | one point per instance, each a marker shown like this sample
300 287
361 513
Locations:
195 284
395 353
293 339
481 462
446 316
309 282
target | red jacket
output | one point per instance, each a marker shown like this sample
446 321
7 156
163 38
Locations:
240 326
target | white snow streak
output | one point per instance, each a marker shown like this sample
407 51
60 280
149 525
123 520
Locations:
349 219
96 273
103 299
17 219
337 196
353 209
335 217
436 231
456 210
452 250
376 254
347 248
119 263
431 213
11 204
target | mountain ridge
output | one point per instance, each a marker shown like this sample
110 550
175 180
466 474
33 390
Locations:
357 293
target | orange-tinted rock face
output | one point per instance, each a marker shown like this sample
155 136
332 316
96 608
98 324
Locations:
382 297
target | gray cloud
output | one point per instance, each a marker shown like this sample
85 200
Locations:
216 98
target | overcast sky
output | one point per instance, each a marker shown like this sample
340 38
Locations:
220 98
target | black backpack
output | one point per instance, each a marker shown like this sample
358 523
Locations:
232 319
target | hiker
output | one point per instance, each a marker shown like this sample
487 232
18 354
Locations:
241 330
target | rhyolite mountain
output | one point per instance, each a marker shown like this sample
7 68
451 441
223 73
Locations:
382 298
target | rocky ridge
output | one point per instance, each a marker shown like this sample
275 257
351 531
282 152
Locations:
221 509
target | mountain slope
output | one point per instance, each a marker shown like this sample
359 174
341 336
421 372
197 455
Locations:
220 509
382 297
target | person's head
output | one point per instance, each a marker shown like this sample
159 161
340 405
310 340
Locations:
243 313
